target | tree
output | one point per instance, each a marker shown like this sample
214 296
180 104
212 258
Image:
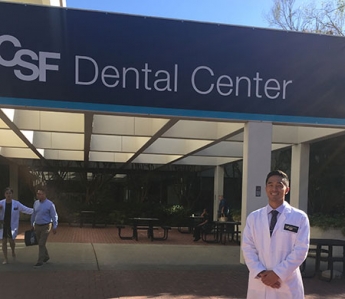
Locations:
327 176
324 17
327 158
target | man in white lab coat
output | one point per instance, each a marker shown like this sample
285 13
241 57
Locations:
273 251
9 221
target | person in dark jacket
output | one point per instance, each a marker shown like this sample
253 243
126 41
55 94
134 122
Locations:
205 222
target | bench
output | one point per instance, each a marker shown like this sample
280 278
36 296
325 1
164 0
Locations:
119 228
89 216
165 235
322 251
210 229
312 254
233 230
330 259
221 231
184 229
143 227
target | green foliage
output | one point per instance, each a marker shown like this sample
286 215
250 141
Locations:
235 214
176 215
326 221
117 217
175 209
186 187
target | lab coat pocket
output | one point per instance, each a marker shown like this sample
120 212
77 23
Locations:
15 213
289 237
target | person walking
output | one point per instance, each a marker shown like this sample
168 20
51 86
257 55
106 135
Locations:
43 219
223 209
275 243
9 221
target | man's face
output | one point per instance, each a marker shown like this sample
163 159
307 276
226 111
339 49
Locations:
41 195
276 190
8 194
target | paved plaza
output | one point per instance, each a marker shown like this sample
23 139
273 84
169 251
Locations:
93 263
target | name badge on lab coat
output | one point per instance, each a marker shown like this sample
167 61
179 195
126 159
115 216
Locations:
291 228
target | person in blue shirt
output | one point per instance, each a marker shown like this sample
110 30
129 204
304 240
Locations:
222 208
43 219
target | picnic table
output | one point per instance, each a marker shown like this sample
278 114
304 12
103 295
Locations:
148 224
324 251
191 222
143 223
88 215
223 229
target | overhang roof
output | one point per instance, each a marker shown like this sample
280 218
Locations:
126 139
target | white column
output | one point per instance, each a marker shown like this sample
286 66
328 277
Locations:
218 188
257 147
299 176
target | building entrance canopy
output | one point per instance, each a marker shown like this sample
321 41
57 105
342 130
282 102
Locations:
93 86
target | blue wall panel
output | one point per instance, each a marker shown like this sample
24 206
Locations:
111 62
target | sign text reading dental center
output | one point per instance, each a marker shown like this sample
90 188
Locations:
203 80
28 65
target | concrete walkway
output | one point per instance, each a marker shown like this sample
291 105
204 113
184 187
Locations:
105 271
104 257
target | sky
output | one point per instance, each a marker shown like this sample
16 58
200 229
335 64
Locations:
235 12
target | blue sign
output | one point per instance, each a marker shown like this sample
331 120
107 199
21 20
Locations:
74 59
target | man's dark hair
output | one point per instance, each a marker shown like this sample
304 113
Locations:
8 189
41 188
280 173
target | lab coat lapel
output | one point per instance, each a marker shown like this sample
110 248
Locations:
282 218
279 223
2 211
265 226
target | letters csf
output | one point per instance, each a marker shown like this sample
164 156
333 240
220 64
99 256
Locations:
34 71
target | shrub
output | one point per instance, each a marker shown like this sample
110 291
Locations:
325 222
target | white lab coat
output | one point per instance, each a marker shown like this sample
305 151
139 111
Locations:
283 253
17 207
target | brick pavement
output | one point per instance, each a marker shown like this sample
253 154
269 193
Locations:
147 281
